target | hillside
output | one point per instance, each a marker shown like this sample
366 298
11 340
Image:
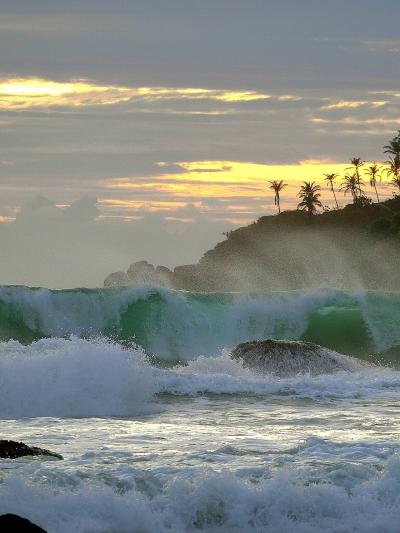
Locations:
351 248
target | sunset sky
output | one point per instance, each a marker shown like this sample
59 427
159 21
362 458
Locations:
179 112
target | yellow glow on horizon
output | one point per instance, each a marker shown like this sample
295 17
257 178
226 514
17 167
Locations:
230 180
354 104
148 205
196 93
258 173
23 93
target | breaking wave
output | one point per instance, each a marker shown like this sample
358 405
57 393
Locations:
290 501
179 325
95 378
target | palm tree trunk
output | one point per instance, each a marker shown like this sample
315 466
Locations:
376 192
334 195
278 202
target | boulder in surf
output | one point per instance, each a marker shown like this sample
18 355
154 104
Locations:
12 523
290 358
11 449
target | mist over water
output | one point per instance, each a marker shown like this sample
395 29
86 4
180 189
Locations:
178 325
74 247
293 255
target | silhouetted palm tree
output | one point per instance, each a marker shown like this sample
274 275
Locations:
393 171
393 148
330 178
277 187
393 167
310 197
352 185
356 163
373 172
396 182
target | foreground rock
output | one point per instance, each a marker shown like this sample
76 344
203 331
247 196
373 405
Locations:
289 358
10 449
12 523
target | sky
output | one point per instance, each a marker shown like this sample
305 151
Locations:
144 130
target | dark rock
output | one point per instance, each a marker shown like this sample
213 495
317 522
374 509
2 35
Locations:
12 523
289 358
187 277
141 272
164 276
10 449
116 279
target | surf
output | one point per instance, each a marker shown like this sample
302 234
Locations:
178 325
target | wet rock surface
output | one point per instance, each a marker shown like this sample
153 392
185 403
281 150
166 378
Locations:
10 449
12 523
289 358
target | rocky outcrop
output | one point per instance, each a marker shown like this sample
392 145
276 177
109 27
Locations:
116 279
12 523
187 277
10 449
290 358
142 273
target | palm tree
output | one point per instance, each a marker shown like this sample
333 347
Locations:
352 185
330 178
393 168
310 197
356 163
277 186
396 182
393 148
373 172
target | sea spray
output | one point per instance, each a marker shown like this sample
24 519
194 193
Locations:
73 378
293 501
86 378
179 325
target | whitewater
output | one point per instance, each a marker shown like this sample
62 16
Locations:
161 431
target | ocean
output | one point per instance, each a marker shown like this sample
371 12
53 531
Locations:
161 431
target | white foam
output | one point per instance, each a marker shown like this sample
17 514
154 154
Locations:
72 378
216 502
77 378
222 375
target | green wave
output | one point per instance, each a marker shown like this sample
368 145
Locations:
180 325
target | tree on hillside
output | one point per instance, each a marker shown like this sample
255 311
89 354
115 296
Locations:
352 185
393 170
393 164
393 148
396 182
330 178
310 197
277 187
356 163
373 172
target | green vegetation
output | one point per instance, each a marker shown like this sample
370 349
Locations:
330 178
310 197
353 247
352 181
277 187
